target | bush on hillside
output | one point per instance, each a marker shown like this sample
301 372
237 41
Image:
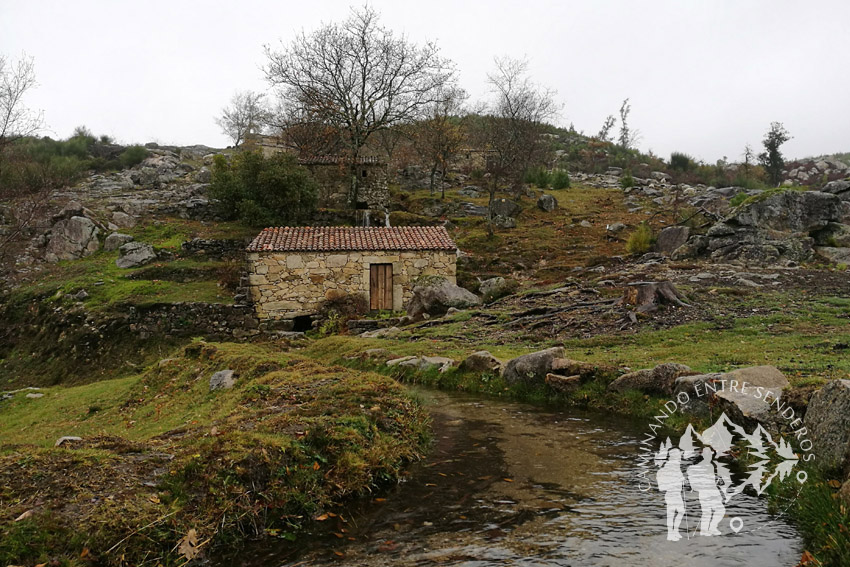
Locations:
681 162
641 240
560 179
133 155
261 191
626 180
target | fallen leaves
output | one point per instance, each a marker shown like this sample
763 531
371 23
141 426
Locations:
188 546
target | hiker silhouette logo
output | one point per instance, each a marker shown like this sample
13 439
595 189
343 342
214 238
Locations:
696 470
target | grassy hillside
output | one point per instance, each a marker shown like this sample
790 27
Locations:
165 459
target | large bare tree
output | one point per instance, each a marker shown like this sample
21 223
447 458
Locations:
246 114
515 124
358 77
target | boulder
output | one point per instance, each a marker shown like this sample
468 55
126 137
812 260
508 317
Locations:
135 254
671 238
123 220
222 380
505 208
735 393
434 295
531 368
658 380
837 255
661 176
72 239
585 370
494 288
789 211
828 424
116 240
204 175
840 188
423 363
547 203
563 384
501 221
615 228
66 439
481 361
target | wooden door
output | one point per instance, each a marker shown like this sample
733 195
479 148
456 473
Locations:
380 286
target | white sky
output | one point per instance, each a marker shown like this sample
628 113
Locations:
704 77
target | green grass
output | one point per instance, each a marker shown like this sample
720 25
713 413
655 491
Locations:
108 285
292 438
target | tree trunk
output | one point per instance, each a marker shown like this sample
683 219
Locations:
647 296
443 182
490 207
433 175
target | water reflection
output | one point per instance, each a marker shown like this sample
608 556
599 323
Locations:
509 484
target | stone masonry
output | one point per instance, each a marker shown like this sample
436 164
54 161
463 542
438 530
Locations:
285 284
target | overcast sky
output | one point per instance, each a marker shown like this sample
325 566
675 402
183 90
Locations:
703 77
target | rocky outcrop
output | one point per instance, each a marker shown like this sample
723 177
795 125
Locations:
775 229
435 295
828 423
71 239
658 380
135 254
531 369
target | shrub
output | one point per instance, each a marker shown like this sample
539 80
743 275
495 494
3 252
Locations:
538 176
263 191
560 179
738 199
626 180
133 155
641 240
681 162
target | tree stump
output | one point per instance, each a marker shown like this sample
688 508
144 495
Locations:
647 296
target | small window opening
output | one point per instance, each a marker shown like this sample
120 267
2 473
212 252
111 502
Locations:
302 323
364 173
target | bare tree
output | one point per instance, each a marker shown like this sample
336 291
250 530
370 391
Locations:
304 133
604 134
16 120
515 124
247 114
23 204
358 77
440 135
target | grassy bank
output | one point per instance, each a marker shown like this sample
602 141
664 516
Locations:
164 461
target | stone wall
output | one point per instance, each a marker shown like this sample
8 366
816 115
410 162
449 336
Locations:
284 285
334 181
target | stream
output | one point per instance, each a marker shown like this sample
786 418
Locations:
511 484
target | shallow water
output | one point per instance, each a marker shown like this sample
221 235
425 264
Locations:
511 484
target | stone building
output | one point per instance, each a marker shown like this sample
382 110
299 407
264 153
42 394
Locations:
333 173
292 271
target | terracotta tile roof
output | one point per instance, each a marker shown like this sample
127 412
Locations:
337 159
331 238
